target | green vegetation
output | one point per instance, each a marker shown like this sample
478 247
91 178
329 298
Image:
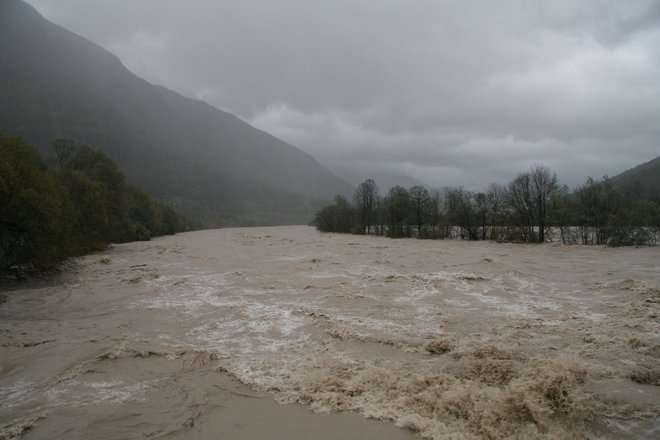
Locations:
533 207
80 204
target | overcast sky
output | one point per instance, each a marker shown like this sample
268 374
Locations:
448 92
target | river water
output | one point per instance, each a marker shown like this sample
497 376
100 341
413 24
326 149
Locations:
446 339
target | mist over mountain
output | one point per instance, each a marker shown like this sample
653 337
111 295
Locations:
208 164
385 180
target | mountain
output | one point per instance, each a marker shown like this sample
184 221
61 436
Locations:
209 164
642 181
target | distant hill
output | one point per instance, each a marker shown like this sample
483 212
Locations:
642 181
209 164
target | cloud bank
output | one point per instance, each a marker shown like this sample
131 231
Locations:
449 93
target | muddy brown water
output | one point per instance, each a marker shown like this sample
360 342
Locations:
289 333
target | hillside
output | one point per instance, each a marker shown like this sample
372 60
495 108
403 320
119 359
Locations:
642 180
209 164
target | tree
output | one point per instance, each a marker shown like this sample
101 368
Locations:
106 208
482 213
84 204
335 218
461 211
100 169
88 210
522 211
421 201
64 150
34 231
563 214
438 225
646 217
544 186
379 213
397 209
496 201
366 199
521 202
597 206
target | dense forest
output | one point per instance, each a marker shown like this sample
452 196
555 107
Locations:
79 202
533 207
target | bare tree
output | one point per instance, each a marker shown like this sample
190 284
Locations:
482 213
366 198
64 149
544 186
495 200
599 202
521 202
529 195
397 205
435 211
461 211
420 200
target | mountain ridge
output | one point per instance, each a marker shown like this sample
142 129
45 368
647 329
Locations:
642 180
209 163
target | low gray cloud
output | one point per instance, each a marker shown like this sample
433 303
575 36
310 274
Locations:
450 93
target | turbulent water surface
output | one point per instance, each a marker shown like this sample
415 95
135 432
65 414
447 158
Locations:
447 339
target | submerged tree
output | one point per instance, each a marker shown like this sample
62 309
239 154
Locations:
597 205
521 203
544 186
528 209
366 199
397 212
496 206
461 211
335 218
421 205
438 225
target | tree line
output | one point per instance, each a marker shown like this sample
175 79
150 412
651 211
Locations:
80 202
533 207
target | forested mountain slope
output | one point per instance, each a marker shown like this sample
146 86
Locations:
209 164
641 181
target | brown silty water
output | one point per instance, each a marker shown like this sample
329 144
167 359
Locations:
447 339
